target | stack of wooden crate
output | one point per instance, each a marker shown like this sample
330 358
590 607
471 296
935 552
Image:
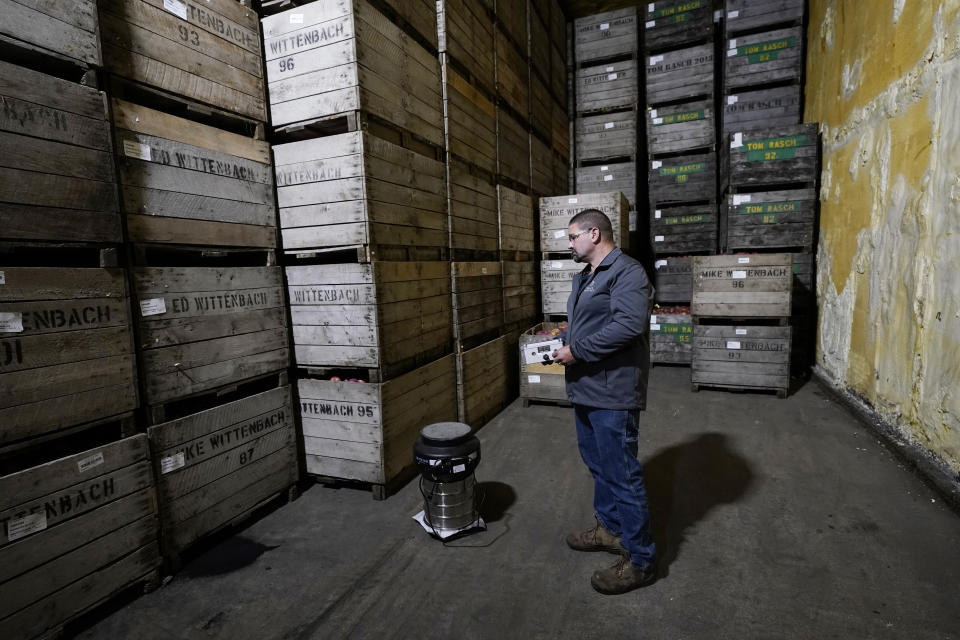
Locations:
671 325
681 128
357 104
607 98
76 488
197 193
741 309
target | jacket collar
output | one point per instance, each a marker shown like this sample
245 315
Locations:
606 262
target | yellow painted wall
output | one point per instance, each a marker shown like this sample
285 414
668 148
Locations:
883 78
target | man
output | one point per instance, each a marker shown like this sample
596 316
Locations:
607 357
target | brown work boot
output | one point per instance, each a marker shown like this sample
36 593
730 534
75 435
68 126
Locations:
596 538
622 576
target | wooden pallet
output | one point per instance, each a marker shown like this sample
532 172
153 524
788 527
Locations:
60 185
389 316
365 432
555 214
324 59
79 530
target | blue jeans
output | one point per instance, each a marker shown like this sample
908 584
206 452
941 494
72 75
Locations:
608 445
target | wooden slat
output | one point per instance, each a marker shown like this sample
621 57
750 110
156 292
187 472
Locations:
68 31
684 73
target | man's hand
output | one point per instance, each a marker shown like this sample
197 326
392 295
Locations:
564 356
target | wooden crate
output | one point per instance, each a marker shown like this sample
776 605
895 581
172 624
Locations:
477 289
606 136
513 85
537 41
541 166
558 74
325 59
483 381
560 128
609 86
741 357
673 280
561 174
366 431
66 350
465 32
541 107
605 35
216 466
684 229
541 381
517 217
760 59
758 285
556 284
687 178
747 15
555 214
419 16
473 209
78 530
60 184
183 182
671 338
519 293
207 51
619 176
558 28
470 121
513 148
356 188
681 127
771 219
673 23
762 109
206 327
684 73
388 316
782 155
66 29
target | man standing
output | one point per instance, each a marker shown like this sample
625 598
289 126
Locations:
607 358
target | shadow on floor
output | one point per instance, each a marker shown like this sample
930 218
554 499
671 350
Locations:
684 482
496 498
231 554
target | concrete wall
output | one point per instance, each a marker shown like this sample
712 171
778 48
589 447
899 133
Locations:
884 79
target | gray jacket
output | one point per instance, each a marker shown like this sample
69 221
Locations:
608 314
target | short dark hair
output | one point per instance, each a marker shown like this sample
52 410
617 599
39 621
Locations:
589 218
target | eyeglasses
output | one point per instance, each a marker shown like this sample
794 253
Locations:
574 236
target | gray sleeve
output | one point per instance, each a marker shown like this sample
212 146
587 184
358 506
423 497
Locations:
630 295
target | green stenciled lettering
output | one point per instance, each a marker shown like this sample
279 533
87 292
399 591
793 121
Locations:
786 206
676 11
675 118
764 51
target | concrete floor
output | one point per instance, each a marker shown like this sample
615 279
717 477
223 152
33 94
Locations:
774 519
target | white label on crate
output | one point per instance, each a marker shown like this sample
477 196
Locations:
3 278
133 149
733 344
296 18
733 99
457 468
533 379
176 7
604 26
659 263
632 221
608 125
559 234
153 307
733 14
654 327
483 270
656 213
657 120
556 265
90 462
656 164
731 53
743 260
653 113
11 322
737 141
655 59
571 201
604 167
651 24
611 76
651 7
733 44
609 69
741 332
608 177
653 318
717 15
21 527
739 275
172 463
658 238
740 199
